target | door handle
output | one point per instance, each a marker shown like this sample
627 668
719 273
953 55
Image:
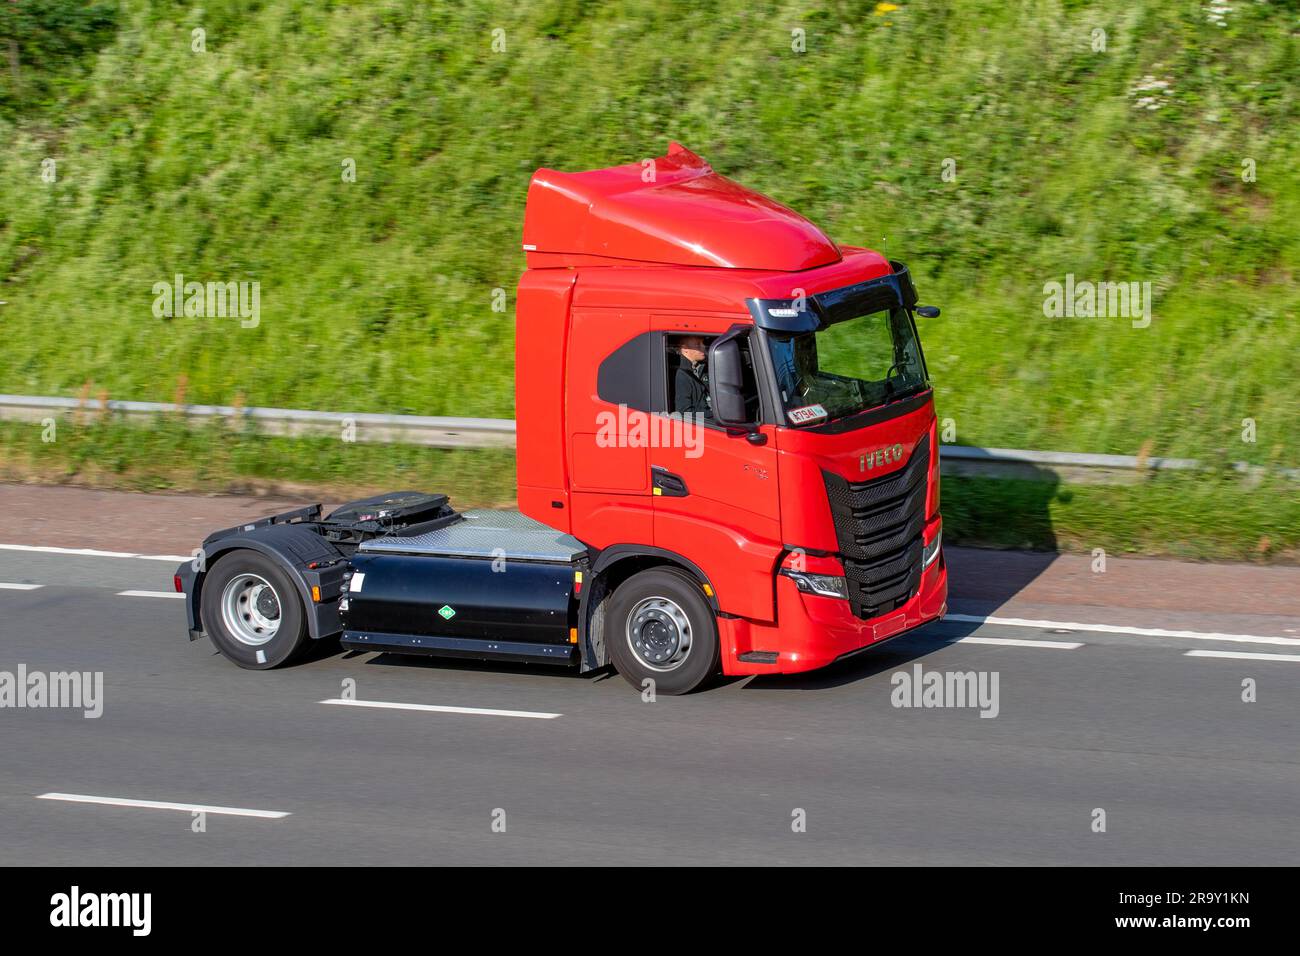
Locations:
666 484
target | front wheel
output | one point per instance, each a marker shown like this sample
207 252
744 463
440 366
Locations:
661 629
251 611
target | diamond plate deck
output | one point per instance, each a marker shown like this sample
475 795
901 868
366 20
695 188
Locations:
487 534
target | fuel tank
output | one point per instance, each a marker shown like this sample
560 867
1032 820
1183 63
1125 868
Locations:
493 585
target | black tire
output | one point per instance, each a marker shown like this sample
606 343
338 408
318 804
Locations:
644 594
290 634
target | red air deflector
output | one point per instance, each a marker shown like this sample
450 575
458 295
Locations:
673 210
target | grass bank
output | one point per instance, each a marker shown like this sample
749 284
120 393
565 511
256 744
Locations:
994 147
1226 517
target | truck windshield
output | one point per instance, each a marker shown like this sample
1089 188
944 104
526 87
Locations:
847 367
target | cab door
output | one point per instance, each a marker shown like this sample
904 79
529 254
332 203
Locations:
608 385
715 494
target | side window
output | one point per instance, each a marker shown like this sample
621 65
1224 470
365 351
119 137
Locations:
623 378
686 367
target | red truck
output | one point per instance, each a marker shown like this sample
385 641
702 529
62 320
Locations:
727 461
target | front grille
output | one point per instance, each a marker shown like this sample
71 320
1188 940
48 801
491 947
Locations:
879 525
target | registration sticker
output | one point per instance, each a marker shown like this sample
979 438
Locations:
808 413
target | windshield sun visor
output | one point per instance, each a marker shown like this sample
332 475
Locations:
818 311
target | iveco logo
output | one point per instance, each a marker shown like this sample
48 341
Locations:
880 457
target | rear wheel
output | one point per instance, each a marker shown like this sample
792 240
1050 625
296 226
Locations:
251 611
660 628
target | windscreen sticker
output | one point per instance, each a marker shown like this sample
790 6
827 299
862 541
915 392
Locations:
808 413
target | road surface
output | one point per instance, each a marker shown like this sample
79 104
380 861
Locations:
1119 692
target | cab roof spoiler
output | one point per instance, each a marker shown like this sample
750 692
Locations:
673 209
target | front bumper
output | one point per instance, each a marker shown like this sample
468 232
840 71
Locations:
813 631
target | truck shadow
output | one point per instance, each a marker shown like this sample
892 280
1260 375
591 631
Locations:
433 662
1004 526
886 657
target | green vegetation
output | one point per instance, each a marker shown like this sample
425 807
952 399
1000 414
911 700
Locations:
45 45
171 455
1176 515
377 294
1222 517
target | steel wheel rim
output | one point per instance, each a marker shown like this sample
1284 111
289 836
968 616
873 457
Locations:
250 609
659 634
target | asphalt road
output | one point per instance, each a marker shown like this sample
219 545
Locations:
1186 772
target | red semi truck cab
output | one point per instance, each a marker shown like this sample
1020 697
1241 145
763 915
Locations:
706 383
727 460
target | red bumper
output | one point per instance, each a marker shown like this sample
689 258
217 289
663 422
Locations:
812 631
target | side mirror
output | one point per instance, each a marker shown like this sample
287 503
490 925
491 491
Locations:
927 311
727 382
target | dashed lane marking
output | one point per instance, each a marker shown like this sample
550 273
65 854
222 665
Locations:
438 708
95 553
1014 642
1245 656
1122 629
163 805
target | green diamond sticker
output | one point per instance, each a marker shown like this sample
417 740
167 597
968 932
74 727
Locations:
447 612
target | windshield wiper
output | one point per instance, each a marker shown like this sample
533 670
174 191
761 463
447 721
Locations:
894 393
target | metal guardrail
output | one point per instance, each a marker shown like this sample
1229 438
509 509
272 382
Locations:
442 432
1066 458
428 430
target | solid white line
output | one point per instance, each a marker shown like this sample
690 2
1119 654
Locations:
1244 655
163 805
150 594
1013 642
94 553
480 711
18 587
1121 629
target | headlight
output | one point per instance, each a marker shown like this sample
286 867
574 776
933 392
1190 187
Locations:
827 585
932 550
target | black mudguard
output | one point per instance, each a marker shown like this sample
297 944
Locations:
310 560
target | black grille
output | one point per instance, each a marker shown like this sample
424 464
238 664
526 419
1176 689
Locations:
878 524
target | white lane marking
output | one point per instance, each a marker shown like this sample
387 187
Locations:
1244 655
18 587
437 708
1121 629
94 553
150 594
1013 642
163 805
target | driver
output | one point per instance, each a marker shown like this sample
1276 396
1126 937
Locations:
691 380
